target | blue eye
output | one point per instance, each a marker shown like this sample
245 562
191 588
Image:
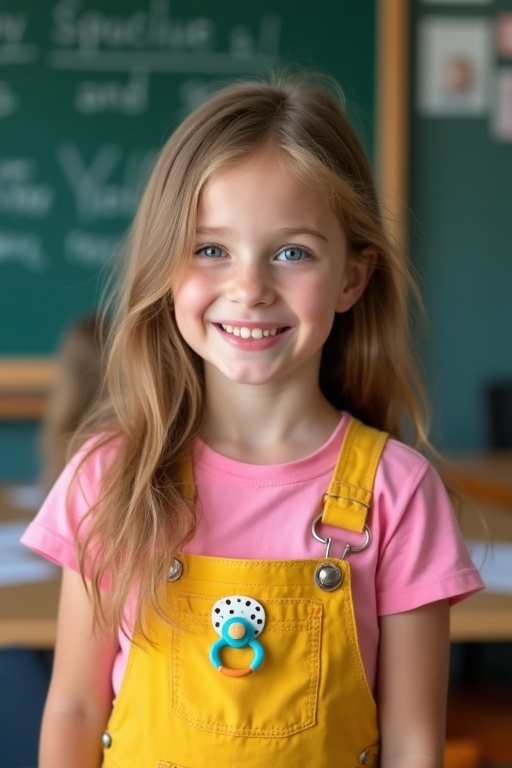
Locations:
210 252
292 254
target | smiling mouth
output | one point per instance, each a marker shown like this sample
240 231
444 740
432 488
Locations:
251 333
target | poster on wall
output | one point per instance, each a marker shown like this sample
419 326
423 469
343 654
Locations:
504 35
454 66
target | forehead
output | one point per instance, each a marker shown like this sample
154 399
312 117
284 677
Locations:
267 180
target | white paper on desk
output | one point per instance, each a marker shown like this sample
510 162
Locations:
25 497
494 561
17 564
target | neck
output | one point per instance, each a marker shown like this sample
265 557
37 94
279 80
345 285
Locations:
266 424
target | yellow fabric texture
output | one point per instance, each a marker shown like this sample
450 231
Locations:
308 704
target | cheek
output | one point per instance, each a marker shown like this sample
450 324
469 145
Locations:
317 304
191 297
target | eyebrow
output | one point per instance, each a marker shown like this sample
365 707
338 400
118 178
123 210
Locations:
287 231
303 231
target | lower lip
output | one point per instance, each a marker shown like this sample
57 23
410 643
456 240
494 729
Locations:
250 344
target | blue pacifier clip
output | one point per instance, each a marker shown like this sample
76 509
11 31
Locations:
238 620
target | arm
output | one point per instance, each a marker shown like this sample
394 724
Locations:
413 681
80 696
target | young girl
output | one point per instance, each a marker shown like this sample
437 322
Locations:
233 592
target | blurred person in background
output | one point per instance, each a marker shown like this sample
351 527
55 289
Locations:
80 368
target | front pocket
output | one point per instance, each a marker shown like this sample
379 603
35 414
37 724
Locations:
277 700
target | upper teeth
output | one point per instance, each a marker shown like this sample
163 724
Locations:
249 333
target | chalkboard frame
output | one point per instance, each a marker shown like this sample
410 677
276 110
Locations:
26 381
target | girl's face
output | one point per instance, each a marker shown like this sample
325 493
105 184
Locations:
269 272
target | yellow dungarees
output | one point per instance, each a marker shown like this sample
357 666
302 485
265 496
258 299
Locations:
308 704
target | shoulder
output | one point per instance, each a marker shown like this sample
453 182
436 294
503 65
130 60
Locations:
410 497
401 470
422 554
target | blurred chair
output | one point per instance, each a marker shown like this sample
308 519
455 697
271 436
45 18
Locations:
484 716
498 414
462 753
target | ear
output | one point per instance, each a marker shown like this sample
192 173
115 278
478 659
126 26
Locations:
358 271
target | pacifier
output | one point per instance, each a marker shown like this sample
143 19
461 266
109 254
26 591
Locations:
238 620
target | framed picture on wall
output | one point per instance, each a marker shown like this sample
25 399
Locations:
454 65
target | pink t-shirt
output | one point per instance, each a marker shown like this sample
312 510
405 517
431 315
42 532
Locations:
250 511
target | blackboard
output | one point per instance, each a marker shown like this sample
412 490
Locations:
461 201
90 90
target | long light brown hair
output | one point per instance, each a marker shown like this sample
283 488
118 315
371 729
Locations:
155 382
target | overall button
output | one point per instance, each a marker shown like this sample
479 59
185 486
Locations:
106 739
175 571
328 577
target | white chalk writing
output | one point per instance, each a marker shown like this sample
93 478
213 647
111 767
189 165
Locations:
20 194
12 28
93 97
89 249
96 195
90 39
9 101
23 248
93 29
13 49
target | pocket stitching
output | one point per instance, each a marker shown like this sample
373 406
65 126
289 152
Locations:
311 624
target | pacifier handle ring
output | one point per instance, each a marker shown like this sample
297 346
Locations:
233 672
230 672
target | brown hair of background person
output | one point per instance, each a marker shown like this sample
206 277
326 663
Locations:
80 370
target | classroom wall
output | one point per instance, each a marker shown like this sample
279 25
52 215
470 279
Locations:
460 202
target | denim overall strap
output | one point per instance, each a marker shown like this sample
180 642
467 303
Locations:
349 495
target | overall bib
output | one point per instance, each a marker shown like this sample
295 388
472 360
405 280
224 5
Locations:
307 702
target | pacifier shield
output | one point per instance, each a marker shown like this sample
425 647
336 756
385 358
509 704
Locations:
239 620
238 606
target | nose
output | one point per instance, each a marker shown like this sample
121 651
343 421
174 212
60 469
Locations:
250 285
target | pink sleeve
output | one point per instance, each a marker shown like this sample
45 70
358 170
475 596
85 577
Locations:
53 530
423 556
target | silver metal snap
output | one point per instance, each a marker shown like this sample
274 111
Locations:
175 571
363 757
106 739
328 577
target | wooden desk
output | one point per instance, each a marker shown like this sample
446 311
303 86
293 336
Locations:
28 612
486 477
487 616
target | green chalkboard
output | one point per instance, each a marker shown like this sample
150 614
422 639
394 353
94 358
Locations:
89 91
461 196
